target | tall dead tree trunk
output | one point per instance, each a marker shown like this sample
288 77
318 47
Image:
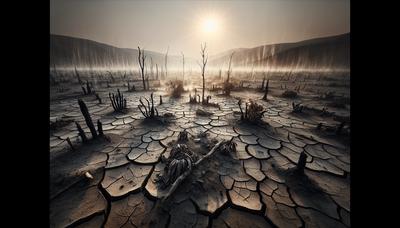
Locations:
266 91
78 76
166 63
183 68
151 68
141 59
229 68
88 119
156 71
203 68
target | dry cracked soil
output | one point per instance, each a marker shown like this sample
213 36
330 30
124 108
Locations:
252 187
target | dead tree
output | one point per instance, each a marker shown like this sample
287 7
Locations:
266 90
183 68
151 68
118 101
88 119
229 67
78 76
156 71
141 59
150 111
263 82
227 85
203 68
166 63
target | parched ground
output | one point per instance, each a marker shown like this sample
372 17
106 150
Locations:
254 187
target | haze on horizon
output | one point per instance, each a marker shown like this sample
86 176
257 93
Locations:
184 25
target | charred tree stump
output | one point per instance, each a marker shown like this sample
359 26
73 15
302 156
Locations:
301 164
81 132
88 119
100 128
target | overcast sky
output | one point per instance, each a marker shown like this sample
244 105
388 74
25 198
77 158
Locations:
184 25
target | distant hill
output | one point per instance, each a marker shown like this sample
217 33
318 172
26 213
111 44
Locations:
333 51
69 51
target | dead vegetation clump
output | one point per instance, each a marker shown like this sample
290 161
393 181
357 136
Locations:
227 88
176 88
150 111
228 147
194 100
253 111
118 102
297 108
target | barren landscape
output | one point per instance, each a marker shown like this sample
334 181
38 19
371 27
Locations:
198 114
111 180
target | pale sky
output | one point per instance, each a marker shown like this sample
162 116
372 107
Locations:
184 25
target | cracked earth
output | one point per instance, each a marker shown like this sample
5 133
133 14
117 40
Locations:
254 187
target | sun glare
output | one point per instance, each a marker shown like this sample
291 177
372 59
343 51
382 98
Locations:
210 25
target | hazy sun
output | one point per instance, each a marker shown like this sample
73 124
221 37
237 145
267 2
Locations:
210 25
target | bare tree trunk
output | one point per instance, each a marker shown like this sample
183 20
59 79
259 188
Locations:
165 63
151 68
156 71
142 58
183 68
229 68
203 68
